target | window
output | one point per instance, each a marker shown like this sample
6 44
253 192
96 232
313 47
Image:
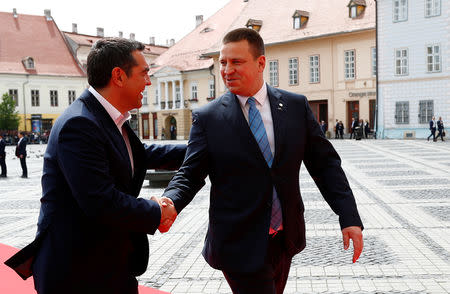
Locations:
401 62
402 112
28 62
314 69
353 13
14 95
145 97
71 94
433 58
156 96
35 98
194 94
212 89
400 10
300 19
53 98
254 24
349 64
293 71
273 73
356 8
374 61
432 8
425 111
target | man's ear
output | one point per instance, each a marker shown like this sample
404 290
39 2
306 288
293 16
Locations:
118 76
261 63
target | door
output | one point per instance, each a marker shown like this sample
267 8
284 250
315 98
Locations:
155 125
372 114
320 110
352 112
145 127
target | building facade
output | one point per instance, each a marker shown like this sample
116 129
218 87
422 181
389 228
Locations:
414 72
38 69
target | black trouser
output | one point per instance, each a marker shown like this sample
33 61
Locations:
271 279
440 134
433 133
3 165
23 163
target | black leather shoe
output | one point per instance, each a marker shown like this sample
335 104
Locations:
24 177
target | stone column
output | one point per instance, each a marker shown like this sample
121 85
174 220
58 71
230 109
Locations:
167 95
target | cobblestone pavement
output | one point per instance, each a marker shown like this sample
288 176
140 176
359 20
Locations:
403 193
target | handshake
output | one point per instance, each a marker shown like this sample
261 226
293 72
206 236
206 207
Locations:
168 213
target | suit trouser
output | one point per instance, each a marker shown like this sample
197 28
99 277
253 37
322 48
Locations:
271 279
433 133
23 163
3 165
440 134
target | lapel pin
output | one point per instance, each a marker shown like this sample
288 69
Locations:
280 106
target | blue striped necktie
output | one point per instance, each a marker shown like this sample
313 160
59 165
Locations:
259 132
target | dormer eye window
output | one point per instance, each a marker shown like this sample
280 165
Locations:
206 30
28 62
300 18
356 8
254 24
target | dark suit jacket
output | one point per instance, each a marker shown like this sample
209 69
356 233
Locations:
222 146
432 125
2 148
92 227
21 148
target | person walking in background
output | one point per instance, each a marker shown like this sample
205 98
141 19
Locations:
432 129
323 126
341 129
440 128
366 129
21 153
2 156
251 142
336 130
352 128
92 227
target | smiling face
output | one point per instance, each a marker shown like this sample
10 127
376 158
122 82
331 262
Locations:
135 82
241 71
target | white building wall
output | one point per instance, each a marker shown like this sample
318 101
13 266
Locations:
414 34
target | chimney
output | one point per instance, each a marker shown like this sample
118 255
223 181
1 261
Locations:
100 32
120 34
132 36
48 14
172 42
152 41
198 20
74 28
15 13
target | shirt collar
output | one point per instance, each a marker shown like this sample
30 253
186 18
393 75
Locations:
260 96
118 118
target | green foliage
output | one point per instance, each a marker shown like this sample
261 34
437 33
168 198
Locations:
9 118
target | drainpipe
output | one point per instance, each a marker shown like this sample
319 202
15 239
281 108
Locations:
378 68
214 77
24 104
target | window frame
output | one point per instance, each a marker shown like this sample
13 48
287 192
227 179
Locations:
293 73
312 69
433 12
71 96
373 55
54 98
352 66
401 10
401 59
402 112
423 109
194 92
35 98
14 93
433 55
274 77
212 88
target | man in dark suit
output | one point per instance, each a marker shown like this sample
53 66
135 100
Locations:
251 142
92 228
2 156
21 153
353 125
432 129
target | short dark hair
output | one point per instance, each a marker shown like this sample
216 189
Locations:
253 38
108 53
23 133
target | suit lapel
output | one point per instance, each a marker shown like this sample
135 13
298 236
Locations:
108 125
278 108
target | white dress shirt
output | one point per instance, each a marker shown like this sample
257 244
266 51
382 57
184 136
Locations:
118 118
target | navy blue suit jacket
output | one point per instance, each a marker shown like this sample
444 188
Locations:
92 227
222 146
2 147
21 148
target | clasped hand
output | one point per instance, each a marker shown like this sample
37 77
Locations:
168 213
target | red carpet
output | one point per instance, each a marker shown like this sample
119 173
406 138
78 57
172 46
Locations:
11 283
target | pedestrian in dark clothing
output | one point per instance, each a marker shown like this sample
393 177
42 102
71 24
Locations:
432 129
21 153
2 157
341 129
324 127
353 125
366 128
336 130
440 127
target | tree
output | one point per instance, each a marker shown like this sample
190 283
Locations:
9 118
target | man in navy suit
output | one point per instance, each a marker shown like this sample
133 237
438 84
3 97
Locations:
256 222
21 153
2 157
432 129
92 228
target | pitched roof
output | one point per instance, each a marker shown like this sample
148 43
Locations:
33 36
186 54
325 18
88 40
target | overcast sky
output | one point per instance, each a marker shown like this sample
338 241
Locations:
163 19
